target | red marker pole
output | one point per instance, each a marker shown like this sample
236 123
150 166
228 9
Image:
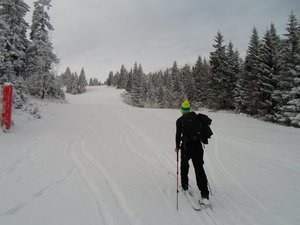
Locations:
7 105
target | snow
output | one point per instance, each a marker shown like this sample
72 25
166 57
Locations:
98 161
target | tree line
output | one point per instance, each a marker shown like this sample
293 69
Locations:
264 84
27 62
76 84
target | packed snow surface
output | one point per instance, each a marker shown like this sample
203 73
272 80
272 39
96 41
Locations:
98 161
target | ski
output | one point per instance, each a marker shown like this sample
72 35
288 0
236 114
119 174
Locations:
192 200
195 203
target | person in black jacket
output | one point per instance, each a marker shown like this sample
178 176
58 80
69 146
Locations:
192 150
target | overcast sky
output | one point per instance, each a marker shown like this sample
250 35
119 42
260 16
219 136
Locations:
101 35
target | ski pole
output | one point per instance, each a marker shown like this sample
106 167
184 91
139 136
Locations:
209 187
177 182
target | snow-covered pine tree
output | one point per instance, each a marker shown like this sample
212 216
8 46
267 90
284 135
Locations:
231 73
157 86
66 77
269 69
150 95
109 81
144 89
82 82
166 77
200 75
174 91
135 94
289 84
204 82
128 85
177 86
12 15
161 97
14 40
169 95
73 85
40 57
3 51
122 78
217 82
117 80
238 88
95 82
188 83
249 78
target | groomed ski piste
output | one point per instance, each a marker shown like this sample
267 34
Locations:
96 160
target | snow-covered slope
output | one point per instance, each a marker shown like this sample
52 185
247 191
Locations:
98 161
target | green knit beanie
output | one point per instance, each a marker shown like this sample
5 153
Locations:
185 107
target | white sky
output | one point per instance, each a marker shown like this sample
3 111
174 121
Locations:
101 35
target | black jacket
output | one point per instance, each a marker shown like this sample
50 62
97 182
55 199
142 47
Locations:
206 131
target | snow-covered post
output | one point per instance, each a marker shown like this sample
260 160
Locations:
6 105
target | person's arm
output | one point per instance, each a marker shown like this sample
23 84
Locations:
178 133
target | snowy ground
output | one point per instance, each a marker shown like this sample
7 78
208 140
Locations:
98 161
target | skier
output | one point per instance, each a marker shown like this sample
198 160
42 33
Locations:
191 148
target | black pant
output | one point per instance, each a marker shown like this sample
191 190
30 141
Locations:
195 152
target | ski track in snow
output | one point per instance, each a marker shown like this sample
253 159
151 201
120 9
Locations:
36 195
251 198
86 177
17 163
156 149
101 185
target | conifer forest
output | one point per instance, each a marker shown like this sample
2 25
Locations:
263 84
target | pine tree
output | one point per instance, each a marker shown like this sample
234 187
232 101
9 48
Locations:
40 56
177 86
123 77
91 82
174 91
151 91
289 84
109 81
145 92
188 83
14 43
66 76
197 75
161 97
201 76
128 85
136 93
169 95
231 73
95 82
268 72
218 65
3 51
12 15
72 86
82 82
249 78
238 89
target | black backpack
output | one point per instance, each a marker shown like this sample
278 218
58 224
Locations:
206 130
192 127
